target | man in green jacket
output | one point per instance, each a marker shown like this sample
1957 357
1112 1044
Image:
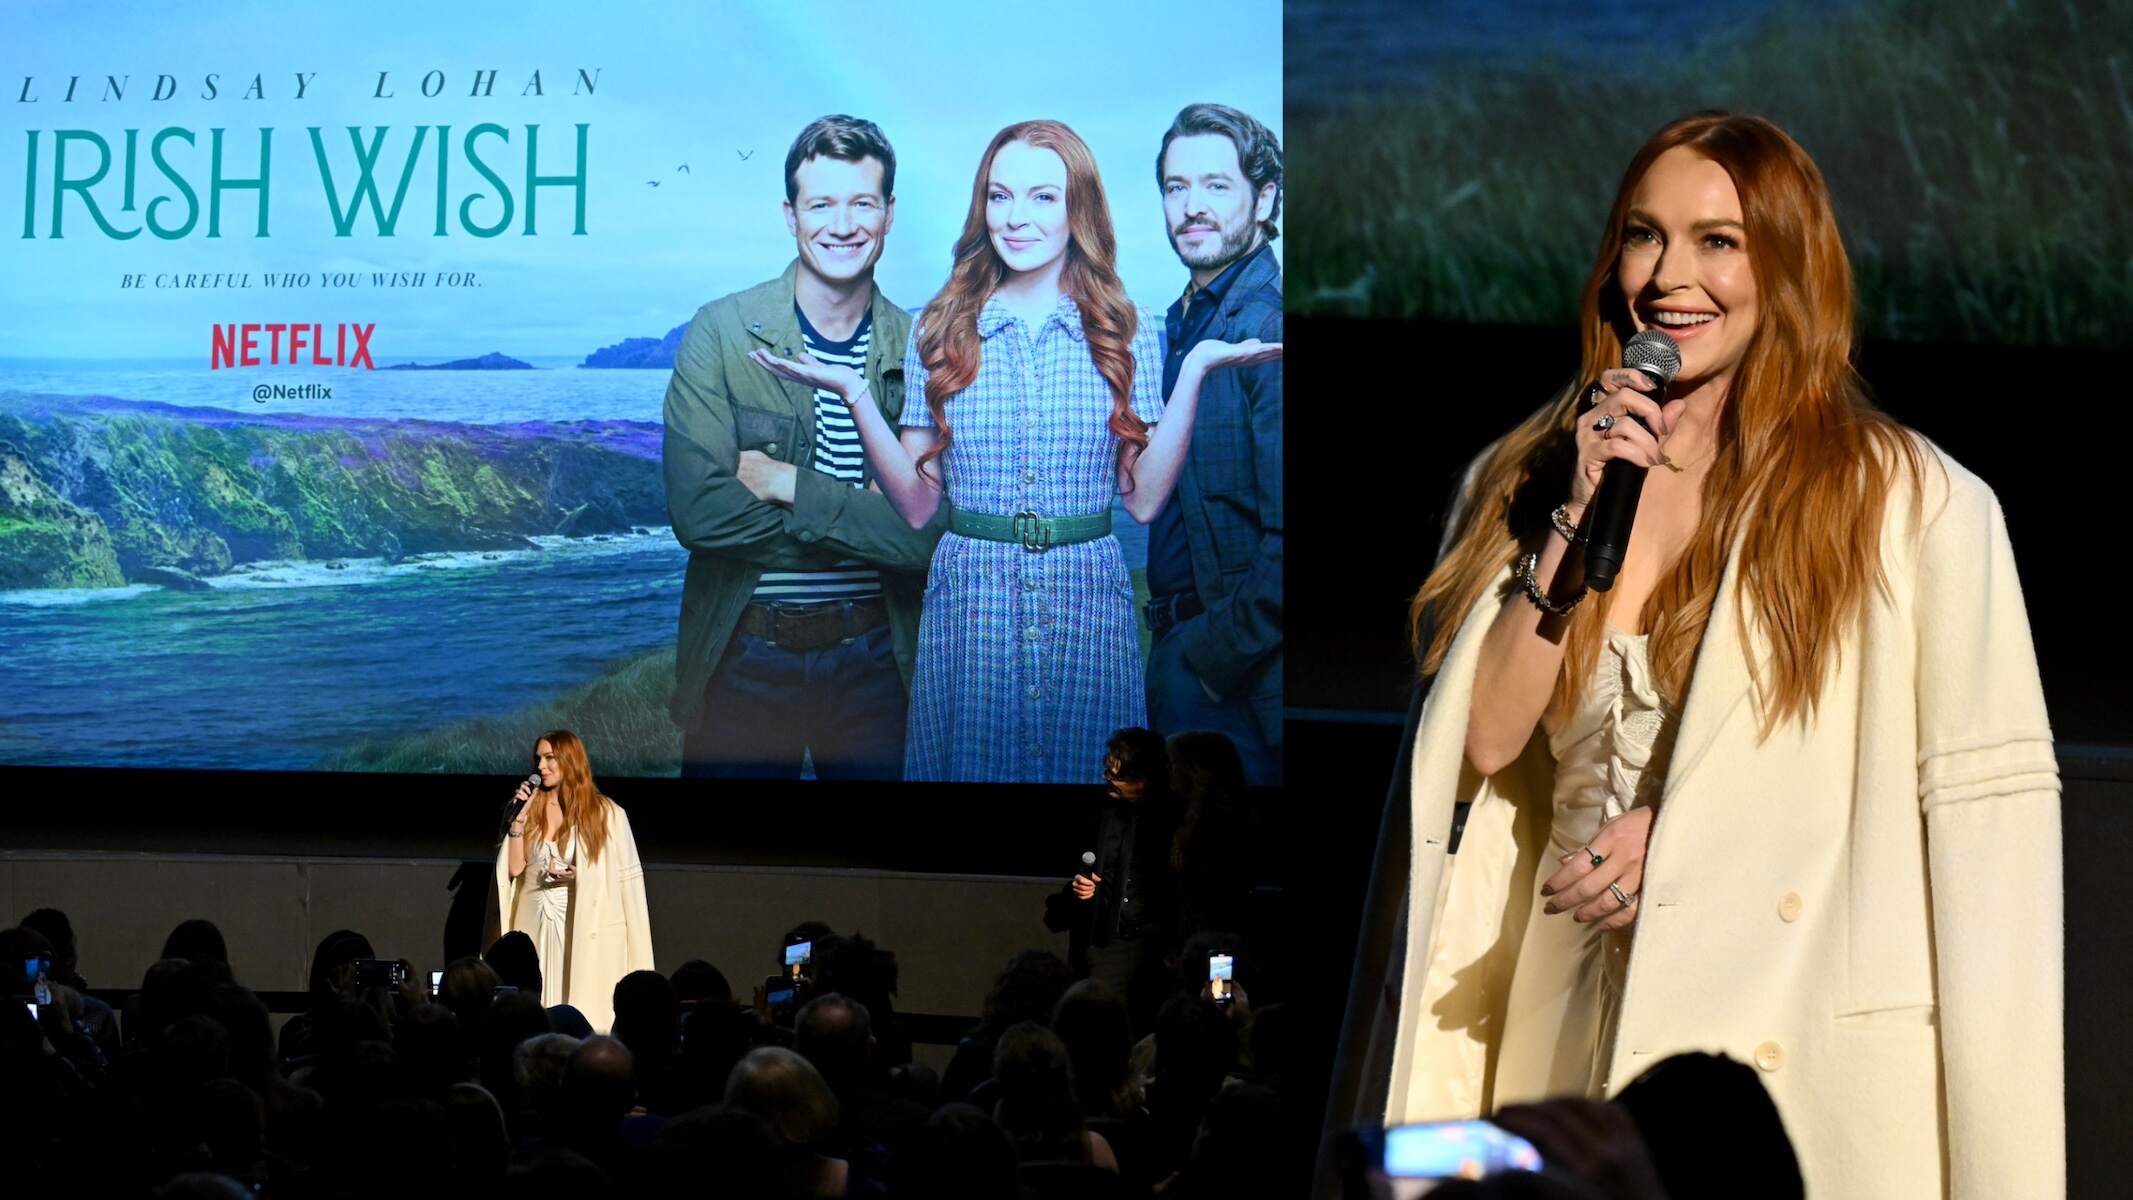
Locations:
799 614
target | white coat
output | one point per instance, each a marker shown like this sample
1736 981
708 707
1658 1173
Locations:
1867 908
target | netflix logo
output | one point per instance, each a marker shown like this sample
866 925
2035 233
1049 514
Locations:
287 344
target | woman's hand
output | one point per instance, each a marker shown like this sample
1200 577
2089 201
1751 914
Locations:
1580 888
524 796
563 872
841 381
1211 355
1623 394
1085 886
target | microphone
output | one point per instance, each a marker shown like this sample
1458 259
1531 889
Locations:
1614 505
515 804
1088 863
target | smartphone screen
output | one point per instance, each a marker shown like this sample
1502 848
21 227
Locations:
1455 1150
436 982
1221 970
32 1006
797 956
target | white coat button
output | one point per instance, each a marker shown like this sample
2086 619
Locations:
1769 1056
1789 907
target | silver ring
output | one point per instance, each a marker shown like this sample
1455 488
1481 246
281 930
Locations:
1621 895
1605 423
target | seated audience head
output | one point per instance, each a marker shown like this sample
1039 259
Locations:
539 1067
713 1039
57 930
646 1017
251 1031
698 982
731 1148
835 1033
855 966
961 1153
1028 990
1195 1048
480 1143
601 1083
469 989
512 1019
17 947
1036 1094
789 1095
196 940
515 961
335 951
1711 1129
1092 1022
433 1048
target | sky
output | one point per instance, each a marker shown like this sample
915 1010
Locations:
721 87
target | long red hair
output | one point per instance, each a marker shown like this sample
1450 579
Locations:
584 805
948 329
1803 465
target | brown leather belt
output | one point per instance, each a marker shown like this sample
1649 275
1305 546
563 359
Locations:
813 626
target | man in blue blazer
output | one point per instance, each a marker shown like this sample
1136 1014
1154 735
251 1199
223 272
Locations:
1214 552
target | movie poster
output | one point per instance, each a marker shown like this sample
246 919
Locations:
339 340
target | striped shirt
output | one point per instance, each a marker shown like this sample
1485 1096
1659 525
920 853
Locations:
838 455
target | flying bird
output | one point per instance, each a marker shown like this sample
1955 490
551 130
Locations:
744 154
651 183
683 167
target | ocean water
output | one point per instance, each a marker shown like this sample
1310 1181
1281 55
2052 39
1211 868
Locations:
559 391
282 665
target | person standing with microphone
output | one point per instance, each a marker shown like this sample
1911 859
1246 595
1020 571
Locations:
1120 909
1786 788
568 877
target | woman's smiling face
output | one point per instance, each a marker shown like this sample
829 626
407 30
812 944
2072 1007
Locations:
1684 266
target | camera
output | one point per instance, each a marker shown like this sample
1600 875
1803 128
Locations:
378 973
1221 978
1411 1160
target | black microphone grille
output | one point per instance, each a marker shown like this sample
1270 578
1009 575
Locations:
1655 353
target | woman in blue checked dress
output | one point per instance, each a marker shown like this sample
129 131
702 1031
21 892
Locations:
1033 395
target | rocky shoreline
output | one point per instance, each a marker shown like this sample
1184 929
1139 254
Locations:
101 492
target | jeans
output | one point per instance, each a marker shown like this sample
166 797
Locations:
767 708
1177 703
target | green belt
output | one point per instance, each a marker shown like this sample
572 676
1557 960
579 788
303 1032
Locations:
1034 533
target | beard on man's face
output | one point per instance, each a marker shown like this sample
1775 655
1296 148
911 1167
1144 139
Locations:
1231 246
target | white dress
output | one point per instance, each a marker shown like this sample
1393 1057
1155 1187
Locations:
1610 756
549 900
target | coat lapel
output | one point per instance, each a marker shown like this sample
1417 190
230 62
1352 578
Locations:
775 328
1720 684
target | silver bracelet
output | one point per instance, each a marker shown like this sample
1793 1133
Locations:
1560 518
1532 588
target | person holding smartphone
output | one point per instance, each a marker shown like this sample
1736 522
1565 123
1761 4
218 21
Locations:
568 877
